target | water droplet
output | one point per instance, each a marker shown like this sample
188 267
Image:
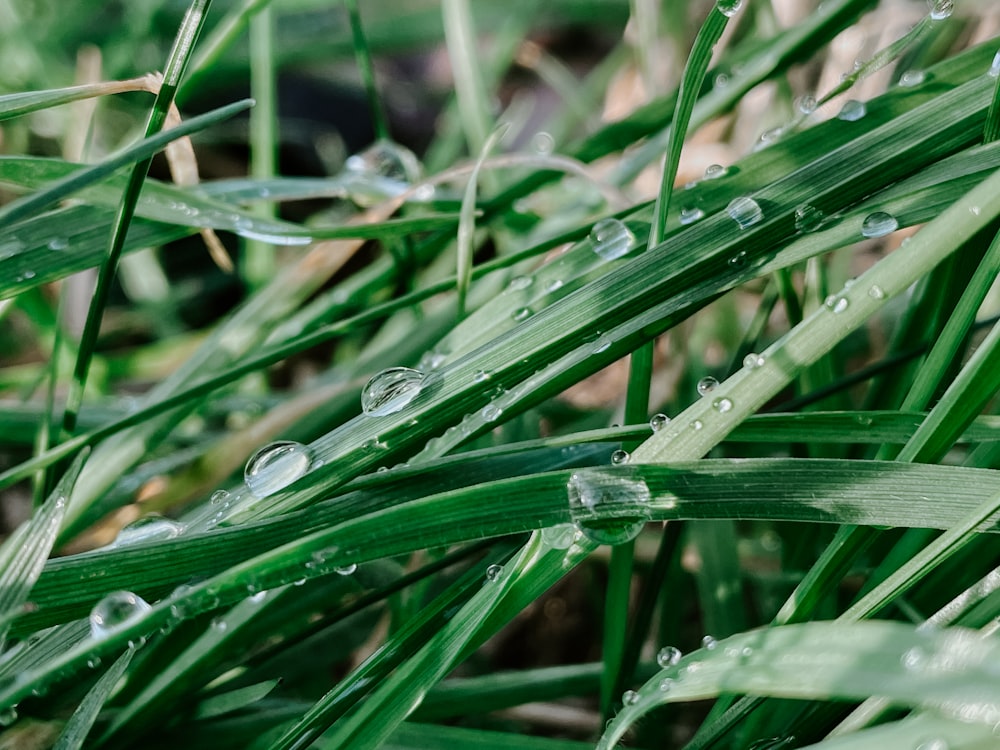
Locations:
706 385
770 135
630 698
611 239
879 224
490 413
729 8
619 457
668 656
691 215
744 211
708 642
658 421
257 596
876 292
994 70
493 572
116 610
941 9
386 159
431 361
8 716
808 218
219 625
275 466
852 111
714 171
721 81
390 391
424 193
520 282
560 536
974 210
346 570
722 405
543 143
806 104
521 313
601 344
913 659
93 662
151 528
912 78
608 507
697 425
752 361
554 285
58 243
840 304
666 685
936 743
739 260
481 376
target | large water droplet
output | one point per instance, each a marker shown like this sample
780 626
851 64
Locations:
608 507
668 656
115 611
619 457
879 224
744 211
611 239
852 111
729 8
912 78
275 466
658 421
808 218
151 528
386 159
346 570
491 412
493 572
941 9
706 385
390 391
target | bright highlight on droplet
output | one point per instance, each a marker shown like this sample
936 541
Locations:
745 211
941 9
115 611
912 78
386 159
390 391
706 385
807 218
878 224
668 656
658 421
852 111
608 507
275 466
729 8
691 215
151 528
611 239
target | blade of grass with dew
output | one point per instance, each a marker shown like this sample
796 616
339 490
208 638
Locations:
22 103
83 718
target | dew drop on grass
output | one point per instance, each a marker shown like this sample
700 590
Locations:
876 292
666 685
219 497
722 405
807 218
390 391
560 536
714 171
346 570
729 8
386 159
611 239
490 413
721 81
994 70
521 313
912 78
115 611
608 507
151 528
878 224
852 111
58 243
697 425
630 698
493 572
941 9
706 385
806 104
520 282
745 211
8 716
219 625
752 361
619 457
275 466
481 376
691 215
658 421
668 656
709 642
543 143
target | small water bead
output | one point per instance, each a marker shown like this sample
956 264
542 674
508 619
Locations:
852 111
611 239
608 507
933 744
721 81
601 344
876 292
58 243
275 466
806 104
878 224
808 218
668 656
658 421
386 159
941 9
729 8
116 610
620 457
219 625
666 685
630 698
994 71
491 413
151 528
493 572
691 215
739 260
752 361
481 376
346 570
543 143
706 385
912 78
840 305
697 425
256 596
520 282
561 536
709 643
714 171
722 405
391 391
8 716
745 211
554 285
521 313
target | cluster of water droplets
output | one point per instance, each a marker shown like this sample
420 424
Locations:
608 507
275 466
611 239
390 391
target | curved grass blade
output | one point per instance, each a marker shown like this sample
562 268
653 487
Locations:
22 103
82 720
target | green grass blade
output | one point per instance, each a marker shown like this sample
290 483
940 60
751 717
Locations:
80 723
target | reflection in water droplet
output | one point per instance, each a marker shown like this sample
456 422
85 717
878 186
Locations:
941 9
220 625
346 570
543 143
744 211
481 376
841 305
386 159
619 457
58 243
658 422
493 572
852 111
714 171
739 260
601 344
666 685
521 313
994 70
151 528
706 385
691 215
115 611
520 282
668 656
708 642
491 413
879 224
697 425
608 507
807 218
275 466
912 78
611 239
390 391
729 8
